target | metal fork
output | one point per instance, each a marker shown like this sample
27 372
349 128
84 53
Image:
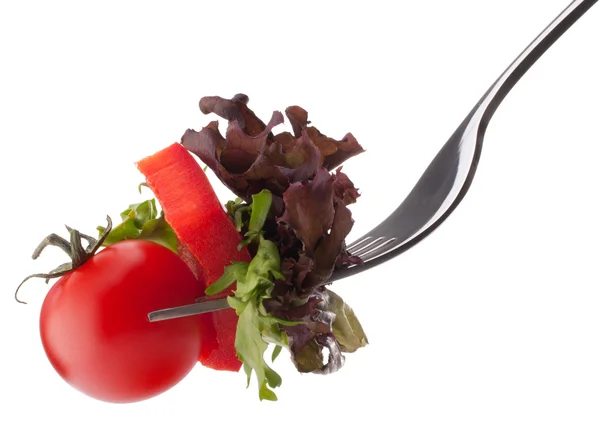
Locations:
444 183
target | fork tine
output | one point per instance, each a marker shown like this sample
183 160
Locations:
447 179
357 243
363 247
202 307
380 249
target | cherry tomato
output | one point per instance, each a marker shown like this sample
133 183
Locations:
95 330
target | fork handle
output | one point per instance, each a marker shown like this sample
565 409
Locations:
448 177
498 91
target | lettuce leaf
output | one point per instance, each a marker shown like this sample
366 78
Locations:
251 158
142 221
255 281
300 240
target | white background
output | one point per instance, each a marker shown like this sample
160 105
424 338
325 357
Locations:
495 318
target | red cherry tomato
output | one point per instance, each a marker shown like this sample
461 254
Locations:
95 329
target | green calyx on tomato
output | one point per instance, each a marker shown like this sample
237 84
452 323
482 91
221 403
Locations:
78 254
142 221
93 321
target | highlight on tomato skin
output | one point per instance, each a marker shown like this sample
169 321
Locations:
94 325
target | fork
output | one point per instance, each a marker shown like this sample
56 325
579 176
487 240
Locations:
444 183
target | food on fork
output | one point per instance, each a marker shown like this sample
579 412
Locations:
270 251
205 233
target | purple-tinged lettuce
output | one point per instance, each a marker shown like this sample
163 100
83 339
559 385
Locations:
308 222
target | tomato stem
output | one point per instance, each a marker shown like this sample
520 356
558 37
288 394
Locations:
74 249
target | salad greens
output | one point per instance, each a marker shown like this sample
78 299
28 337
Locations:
142 221
256 327
292 209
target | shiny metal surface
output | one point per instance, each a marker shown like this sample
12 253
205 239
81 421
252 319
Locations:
446 180
201 307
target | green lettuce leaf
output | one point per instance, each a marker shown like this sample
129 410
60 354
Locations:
142 221
259 211
308 221
347 329
251 349
256 328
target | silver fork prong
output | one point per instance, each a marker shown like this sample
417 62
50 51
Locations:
357 243
363 247
202 307
380 249
447 179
